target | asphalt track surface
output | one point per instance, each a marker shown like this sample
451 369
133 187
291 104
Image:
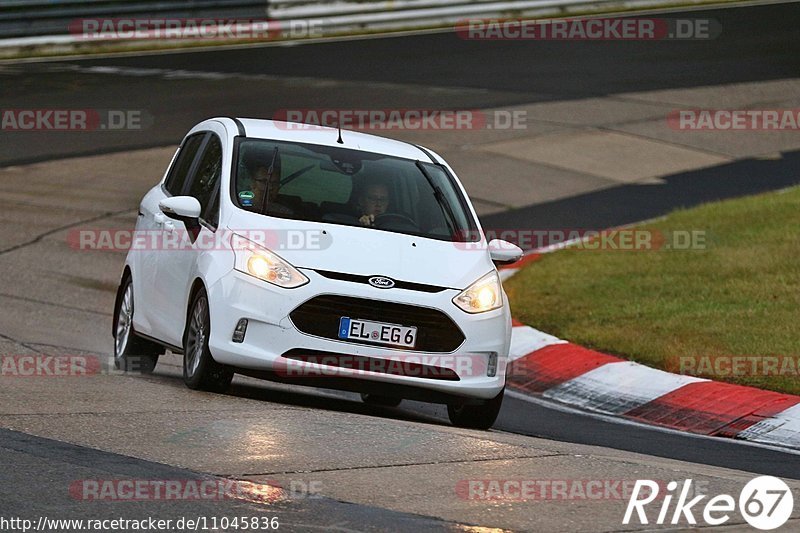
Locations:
43 467
758 43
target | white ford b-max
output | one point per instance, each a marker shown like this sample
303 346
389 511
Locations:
318 257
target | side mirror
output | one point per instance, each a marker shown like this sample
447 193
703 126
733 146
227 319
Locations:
185 209
503 252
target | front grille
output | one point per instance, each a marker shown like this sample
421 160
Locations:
398 284
361 363
436 332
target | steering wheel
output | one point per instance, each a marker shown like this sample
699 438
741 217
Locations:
382 220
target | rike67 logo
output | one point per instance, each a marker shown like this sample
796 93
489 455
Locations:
765 503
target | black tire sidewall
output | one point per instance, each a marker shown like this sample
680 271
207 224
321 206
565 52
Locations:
138 355
210 375
120 358
476 416
196 381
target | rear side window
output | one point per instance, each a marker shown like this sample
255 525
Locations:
209 170
180 170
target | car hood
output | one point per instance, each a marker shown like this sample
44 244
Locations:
368 252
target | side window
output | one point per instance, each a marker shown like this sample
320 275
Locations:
209 170
180 169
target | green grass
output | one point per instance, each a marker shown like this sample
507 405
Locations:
738 296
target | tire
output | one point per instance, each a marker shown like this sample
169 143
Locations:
383 401
480 416
131 352
200 371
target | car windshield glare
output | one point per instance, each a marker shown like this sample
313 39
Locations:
343 186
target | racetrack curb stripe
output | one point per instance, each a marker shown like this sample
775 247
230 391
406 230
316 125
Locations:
783 429
713 408
553 365
619 387
598 382
546 366
528 340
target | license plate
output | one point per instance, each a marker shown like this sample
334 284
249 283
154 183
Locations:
377 332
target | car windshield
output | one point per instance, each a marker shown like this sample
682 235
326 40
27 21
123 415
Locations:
350 187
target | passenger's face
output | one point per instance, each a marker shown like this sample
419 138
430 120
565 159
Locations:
375 200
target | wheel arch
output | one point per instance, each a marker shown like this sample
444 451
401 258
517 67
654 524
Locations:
197 284
126 273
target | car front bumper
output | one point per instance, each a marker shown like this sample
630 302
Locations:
271 333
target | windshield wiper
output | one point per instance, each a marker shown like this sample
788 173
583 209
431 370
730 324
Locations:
269 181
449 218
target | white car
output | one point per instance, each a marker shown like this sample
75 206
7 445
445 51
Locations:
320 257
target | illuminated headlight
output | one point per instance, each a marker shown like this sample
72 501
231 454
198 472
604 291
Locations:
259 262
483 295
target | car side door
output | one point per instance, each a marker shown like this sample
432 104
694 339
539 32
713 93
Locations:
178 269
150 226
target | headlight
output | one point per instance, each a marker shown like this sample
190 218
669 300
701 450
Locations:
259 262
483 295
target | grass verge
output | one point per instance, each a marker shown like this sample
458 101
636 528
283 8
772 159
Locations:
687 310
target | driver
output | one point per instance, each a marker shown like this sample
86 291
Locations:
373 202
267 185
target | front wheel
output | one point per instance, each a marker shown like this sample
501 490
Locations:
131 352
200 371
481 416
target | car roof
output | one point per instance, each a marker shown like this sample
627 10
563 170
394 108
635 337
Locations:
321 135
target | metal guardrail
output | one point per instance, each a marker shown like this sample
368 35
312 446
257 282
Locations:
24 18
343 16
31 18
393 14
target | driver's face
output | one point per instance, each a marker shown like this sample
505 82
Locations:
375 200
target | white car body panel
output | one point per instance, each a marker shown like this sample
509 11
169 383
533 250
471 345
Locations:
384 253
163 280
